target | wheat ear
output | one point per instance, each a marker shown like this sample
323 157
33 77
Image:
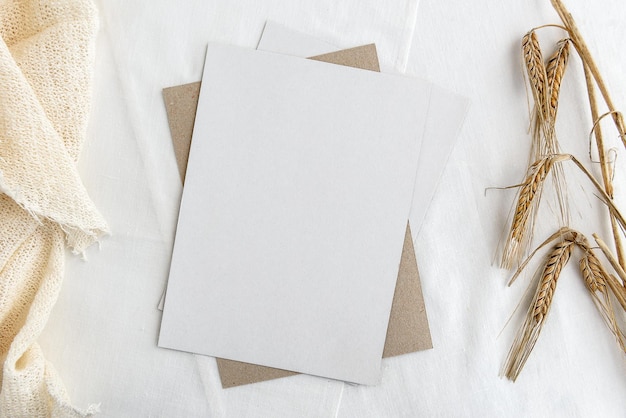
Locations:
533 60
558 234
617 286
535 318
555 70
527 203
596 280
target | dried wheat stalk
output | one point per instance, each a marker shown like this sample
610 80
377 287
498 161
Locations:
527 204
592 72
616 285
537 313
561 233
583 51
544 140
545 83
605 166
604 197
519 234
596 280
535 67
555 71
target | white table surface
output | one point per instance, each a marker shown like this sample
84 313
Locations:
102 334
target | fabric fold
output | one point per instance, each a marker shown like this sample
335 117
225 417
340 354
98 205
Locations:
36 106
46 61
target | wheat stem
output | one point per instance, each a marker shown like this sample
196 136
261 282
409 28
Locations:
587 58
618 290
605 198
604 164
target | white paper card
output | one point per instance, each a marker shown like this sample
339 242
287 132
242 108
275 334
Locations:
445 117
280 39
292 163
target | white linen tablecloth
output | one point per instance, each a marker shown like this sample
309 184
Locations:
102 334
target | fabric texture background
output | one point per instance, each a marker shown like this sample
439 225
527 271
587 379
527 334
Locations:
46 64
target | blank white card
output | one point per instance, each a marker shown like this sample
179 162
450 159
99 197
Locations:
294 210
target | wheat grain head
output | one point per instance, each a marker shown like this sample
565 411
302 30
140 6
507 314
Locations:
555 70
535 318
527 203
536 70
595 277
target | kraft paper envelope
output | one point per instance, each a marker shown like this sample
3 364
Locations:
408 325
306 170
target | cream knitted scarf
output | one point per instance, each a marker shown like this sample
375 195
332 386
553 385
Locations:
46 60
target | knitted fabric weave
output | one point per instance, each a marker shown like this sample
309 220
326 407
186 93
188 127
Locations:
46 60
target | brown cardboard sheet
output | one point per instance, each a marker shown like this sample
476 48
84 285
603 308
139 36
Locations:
408 329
